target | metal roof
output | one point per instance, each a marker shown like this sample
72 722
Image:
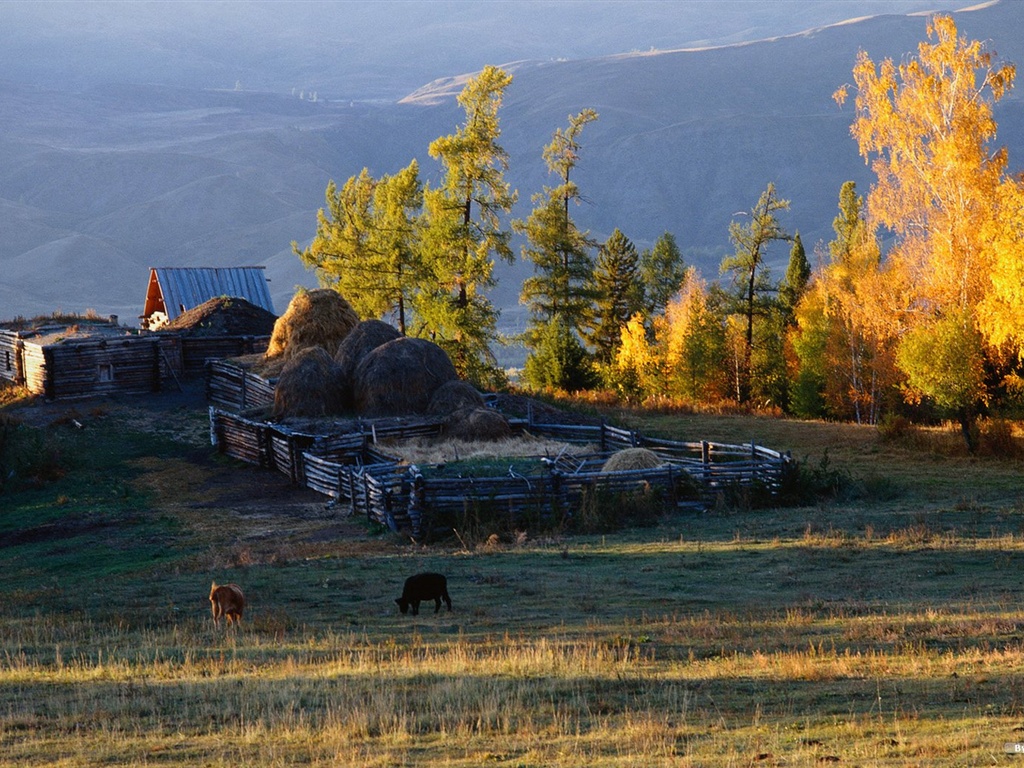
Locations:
182 288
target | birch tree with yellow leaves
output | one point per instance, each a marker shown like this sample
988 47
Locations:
926 127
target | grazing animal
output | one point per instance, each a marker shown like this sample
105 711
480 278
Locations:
424 586
227 600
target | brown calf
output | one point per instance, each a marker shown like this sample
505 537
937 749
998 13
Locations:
227 600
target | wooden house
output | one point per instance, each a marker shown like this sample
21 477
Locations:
175 290
62 360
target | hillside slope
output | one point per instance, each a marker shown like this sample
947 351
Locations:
145 176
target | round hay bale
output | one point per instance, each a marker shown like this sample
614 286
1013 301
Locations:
318 318
308 385
632 458
477 425
364 338
400 377
452 396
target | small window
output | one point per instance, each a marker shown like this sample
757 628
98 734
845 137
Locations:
7 355
105 371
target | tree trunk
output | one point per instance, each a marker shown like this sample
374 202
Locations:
967 429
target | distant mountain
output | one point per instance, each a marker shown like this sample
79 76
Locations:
102 181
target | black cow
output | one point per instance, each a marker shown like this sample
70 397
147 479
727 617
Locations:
424 586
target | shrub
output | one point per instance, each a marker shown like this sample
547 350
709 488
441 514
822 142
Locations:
27 456
895 428
806 484
997 439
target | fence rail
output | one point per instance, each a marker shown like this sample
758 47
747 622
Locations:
352 469
230 386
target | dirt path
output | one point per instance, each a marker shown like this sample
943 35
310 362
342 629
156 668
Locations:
248 514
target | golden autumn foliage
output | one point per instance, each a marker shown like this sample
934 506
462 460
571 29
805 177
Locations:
691 340
948 286
1001 313
926 127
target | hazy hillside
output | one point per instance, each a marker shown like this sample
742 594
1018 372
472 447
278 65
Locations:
100 182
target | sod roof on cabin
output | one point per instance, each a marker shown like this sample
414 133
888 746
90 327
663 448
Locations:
224 316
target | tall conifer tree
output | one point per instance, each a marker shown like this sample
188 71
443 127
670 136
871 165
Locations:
751 279
559 251
616 296
464 231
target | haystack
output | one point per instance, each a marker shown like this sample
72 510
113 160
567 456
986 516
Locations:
364 338
632 458
308 385
453 396
400 377
319 318
476 425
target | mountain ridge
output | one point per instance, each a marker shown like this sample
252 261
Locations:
163 175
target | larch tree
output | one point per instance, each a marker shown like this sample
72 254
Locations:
635 364
463 232
367 243
558 295
752 287
559 251
691 343
926 127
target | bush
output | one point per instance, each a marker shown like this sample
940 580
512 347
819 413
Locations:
804 484
997 439
895 428
27 456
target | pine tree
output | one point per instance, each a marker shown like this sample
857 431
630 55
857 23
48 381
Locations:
661 273
793 285
614 285
558 361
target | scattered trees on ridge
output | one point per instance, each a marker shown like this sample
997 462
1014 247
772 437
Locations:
936 320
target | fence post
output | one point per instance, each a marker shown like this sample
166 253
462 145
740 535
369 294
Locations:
557 502
705 458
416 500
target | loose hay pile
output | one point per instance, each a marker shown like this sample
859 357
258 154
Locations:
477 424
318 318
308 386
632 458
453 396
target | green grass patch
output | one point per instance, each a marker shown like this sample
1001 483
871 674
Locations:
876 626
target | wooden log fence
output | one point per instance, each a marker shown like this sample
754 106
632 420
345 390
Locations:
198 350
359 475
230 386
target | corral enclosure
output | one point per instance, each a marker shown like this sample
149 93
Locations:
354 462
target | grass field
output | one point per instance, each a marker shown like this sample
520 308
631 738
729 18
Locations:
880 627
